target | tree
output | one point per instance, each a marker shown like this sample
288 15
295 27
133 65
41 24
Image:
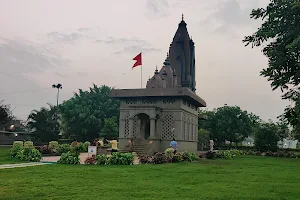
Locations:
203 138
281 32
85 112
228 123
44 124
267 137
5 115
110 128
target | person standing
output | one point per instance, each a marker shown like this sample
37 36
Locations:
174 145
114 145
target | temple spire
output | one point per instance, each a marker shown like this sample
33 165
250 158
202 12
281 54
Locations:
182 17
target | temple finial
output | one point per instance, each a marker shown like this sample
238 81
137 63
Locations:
167 54
182 17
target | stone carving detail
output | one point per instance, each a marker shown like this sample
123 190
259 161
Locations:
135 127
126 130
168 101
149 101
131 101
167 126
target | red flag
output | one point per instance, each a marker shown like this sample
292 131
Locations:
138 60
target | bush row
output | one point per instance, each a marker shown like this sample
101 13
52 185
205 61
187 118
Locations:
283 154
59 149
116 158
26 153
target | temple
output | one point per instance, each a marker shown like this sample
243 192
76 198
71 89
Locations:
167 108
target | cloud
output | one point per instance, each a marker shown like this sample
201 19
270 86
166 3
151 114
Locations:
157 7
64 37
19 56
81 74
122 41
136 49
230 15
82 29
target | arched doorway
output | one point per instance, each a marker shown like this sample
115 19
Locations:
144 125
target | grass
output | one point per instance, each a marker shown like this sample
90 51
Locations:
5 157
248 177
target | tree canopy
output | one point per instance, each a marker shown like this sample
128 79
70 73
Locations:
5 115
110 129
280 31
227 123
83 115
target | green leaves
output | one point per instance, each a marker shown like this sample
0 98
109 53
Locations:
280 31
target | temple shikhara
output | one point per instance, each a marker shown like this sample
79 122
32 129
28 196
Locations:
168 107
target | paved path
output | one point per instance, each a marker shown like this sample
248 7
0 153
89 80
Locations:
31 164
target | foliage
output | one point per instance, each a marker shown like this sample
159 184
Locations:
110 129
280 32
77 147
26 154
44 149
84 113
53 145
228 154
44 123
5 115
169 153
63 148
18 143
145 159
266 137
177 158
101 159
211 155
228 123
86 146
190 156
203 138
159 158
69 158
90 161
117 158
28 144
14 150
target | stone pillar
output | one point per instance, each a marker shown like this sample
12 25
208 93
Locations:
130 128
152 128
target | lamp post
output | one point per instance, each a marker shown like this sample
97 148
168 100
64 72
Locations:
58 87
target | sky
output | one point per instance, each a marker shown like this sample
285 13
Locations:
78 43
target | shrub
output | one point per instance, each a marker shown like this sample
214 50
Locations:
86 146
29 154
90 161
190 157
117 158
144 159
202 155
28 144
44 149
159 158
177 158
15 150
169 152
211 155
18 143
53 145
63 148
225 154
101 159
69 158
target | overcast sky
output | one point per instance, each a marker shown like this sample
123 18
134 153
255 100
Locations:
77 43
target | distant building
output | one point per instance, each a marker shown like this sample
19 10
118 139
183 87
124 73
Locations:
168 107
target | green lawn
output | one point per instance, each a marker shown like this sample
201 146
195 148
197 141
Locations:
5 157
247 177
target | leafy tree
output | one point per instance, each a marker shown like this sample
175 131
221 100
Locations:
280 31
44 123
267 137
85 112
5 115
110 128
228 123
203 138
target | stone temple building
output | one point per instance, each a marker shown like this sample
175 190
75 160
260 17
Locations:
168 107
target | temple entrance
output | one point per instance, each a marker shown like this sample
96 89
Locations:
144 125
